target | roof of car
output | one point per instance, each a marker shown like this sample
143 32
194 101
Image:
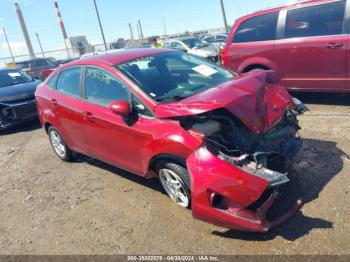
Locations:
287 5
120 56
33 59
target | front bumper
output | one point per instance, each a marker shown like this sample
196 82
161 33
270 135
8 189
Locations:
15 113
227 196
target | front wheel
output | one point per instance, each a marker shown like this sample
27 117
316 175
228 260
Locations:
176 183
59 146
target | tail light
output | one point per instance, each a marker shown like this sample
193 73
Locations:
30 72
45 73
224 56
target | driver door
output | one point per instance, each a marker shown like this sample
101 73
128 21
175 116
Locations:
109 137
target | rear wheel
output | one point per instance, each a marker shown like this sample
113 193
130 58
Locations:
58 145
176 183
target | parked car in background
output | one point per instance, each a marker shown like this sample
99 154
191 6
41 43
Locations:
211 136
307 43
193 45
218 40
17 101
35 66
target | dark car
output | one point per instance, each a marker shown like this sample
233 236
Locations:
17 101
35 67
306 42
210 135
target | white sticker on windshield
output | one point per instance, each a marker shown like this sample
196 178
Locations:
205 70
14 74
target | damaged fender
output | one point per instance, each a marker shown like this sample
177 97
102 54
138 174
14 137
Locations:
222 194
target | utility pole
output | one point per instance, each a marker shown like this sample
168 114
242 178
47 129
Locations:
41 48
8 44
99 22
67 43
138 30
131 32
224 15
165 33
141 33
24 30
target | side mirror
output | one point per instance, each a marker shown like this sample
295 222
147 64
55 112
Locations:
120 108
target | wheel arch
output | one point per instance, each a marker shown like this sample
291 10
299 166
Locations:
255 66
165 157
257 62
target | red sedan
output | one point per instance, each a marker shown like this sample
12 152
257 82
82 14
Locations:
211 136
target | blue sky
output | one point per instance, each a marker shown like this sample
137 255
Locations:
80 19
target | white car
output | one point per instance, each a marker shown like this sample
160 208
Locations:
218 40
195 46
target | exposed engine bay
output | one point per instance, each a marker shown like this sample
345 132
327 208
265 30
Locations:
261 154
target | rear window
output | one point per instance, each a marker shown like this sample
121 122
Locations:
22 65
318 20
259 28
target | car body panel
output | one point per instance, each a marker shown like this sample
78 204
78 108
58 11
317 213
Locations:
309 64
212 177
257 100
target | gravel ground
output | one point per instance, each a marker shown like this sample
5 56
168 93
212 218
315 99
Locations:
88 207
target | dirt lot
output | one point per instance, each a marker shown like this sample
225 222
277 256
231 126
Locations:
87 207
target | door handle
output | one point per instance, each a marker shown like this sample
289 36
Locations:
54 102
334 45
89 116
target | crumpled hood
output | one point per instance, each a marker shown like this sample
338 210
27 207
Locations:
18 92
257 100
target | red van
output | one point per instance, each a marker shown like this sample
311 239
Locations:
306 42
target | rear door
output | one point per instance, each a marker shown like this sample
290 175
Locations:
68 107
252 43
311 52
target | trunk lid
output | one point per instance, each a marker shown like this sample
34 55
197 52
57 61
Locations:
257 100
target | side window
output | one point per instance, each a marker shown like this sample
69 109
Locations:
167 45
69 82
176 45
210 39
260 28
318 20
103 88
52 82
40 63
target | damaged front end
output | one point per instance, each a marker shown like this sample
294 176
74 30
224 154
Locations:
237 173
15 112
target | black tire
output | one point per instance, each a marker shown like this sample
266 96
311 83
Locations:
182 175
67 156
256 70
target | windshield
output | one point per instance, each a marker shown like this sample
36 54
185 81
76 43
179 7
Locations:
174 75
13 77
194 42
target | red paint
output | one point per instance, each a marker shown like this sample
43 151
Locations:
257 100
120 108
313 63
210 175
